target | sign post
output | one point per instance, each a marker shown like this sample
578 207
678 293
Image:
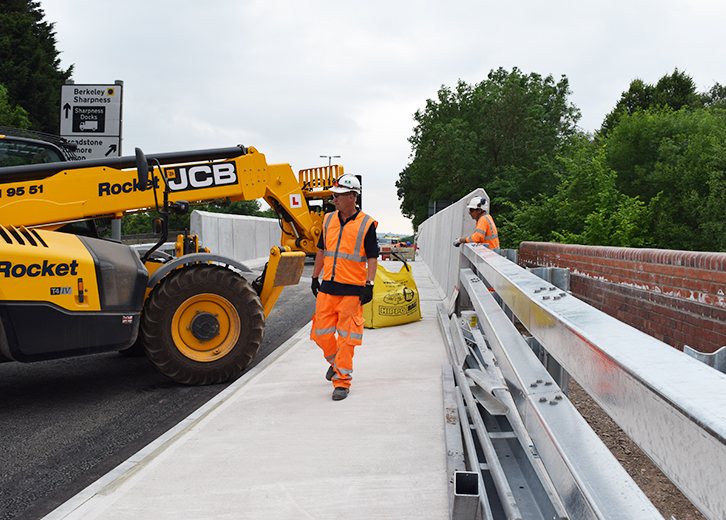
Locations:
91 118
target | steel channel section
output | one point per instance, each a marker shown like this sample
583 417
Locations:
671 405
448 381
460 506
512 441
474 464
452 430
497 472
522 488
589 480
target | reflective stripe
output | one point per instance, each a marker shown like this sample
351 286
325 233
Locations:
353 258
356 335
491 227
486 237
342 333
337 246
321 332
345 258
327 223
359 239
356 255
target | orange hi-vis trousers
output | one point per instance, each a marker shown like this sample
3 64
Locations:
337 329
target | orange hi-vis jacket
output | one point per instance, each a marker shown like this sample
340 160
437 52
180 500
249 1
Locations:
486 232
344 259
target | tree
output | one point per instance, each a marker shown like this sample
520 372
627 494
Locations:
586 208
677 91
715 97
30 68
501 134
674 91
675 161
12 115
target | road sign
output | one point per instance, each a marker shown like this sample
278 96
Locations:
95 147
91 118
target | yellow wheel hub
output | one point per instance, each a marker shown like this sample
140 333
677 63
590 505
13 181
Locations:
206 327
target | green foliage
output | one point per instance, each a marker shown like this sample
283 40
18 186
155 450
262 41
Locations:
585 209
243 207
654 176
30 68
715 97
658 180
676 162
634 148
674 91
139 223
136 224
502 134
10 115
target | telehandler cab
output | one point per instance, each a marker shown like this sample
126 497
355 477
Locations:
66 292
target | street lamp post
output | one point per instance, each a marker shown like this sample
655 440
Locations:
330 158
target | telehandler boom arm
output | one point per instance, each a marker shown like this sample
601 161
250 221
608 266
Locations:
50 195
195 316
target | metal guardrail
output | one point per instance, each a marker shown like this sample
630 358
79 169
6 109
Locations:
671 405
540 458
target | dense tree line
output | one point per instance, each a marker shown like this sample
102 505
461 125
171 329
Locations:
652 176
503 133
30 68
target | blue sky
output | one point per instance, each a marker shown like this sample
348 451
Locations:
301 79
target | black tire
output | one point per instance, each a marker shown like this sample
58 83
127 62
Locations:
179 318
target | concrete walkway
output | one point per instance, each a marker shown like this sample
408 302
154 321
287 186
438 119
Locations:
274 445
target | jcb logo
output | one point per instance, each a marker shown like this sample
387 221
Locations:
201 176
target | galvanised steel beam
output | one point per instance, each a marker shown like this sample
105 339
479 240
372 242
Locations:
671 405
589 480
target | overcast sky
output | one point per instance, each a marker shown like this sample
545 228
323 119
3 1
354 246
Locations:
299 79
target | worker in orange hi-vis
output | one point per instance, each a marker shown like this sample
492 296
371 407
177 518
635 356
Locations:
486 230
347 257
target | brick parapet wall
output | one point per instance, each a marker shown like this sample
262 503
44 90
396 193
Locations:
677 297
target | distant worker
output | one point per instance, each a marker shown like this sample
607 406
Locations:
486 230
347 257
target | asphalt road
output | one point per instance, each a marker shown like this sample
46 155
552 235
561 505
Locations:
65 423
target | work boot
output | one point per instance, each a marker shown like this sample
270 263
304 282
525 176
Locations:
330 373
340 393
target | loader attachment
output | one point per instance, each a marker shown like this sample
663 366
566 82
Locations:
284 268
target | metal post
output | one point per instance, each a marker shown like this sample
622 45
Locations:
466 495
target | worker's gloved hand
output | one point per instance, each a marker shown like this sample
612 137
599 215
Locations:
457 243
366 294
315 286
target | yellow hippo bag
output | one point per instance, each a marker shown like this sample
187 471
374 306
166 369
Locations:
395 299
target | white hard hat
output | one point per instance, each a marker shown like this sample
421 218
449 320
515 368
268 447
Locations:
346 183
477 203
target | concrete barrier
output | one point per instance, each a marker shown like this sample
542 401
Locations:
240 237
436 240
408 253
